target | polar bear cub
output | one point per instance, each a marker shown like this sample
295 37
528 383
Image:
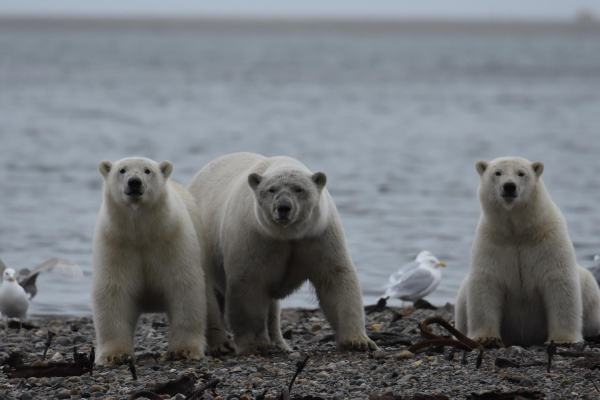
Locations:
146 258
271 225
524 286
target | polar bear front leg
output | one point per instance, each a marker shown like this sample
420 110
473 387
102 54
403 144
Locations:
561 291
216 336
247 311
484 310
115 319
274 326
187 314
336 284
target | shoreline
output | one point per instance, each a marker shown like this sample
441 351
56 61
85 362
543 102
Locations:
328 374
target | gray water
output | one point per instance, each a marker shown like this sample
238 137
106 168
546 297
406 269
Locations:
396 114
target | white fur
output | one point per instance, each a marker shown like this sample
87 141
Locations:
255 259
524 286
146 259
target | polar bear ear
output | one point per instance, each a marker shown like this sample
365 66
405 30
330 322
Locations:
105 167
538 168
320 179
254 180
166 168
481 166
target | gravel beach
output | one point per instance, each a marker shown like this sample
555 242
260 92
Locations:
391 370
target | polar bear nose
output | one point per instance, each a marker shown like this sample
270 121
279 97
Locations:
134 183
510 187
284 209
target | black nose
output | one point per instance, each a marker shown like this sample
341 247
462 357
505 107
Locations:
510 187
284 209
134 183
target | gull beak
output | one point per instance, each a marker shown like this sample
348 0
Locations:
441 264
12 279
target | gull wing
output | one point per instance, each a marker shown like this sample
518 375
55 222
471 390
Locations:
28 278
414 282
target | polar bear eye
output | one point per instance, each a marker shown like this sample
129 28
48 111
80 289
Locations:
298 190
147 171
122 170
498 173
271 190
521 174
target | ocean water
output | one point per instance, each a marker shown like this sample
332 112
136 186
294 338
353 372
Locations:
396 113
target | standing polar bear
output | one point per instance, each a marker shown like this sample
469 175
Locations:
146 259
270 226
525 286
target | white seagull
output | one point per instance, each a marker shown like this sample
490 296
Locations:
14 301
27 278
416 279
595 270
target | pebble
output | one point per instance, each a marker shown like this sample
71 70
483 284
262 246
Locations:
378 354
95 389
316 327
404 355
295 356
62 341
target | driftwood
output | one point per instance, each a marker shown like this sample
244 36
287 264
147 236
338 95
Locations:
184 385
461 342
82 366
521 394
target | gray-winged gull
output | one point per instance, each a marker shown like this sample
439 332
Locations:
416 279
27 278
595 270
14 301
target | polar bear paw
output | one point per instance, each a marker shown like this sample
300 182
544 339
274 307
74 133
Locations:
115 358
221 349
359 343
490 342
191 353
565 341
282 345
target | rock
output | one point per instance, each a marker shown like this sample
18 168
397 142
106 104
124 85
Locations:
404 355
57 356
63 395
376 327
378 354
179 396
96 389
323 375
316 327
515 350
15 381
37 363
526 382
406 378
62 341
295 356
79 339
25 396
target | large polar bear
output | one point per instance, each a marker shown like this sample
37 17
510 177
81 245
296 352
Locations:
525 286
271 225
146 257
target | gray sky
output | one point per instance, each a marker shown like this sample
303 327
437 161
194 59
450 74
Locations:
326 8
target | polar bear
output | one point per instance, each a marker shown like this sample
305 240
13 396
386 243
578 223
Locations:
524 286
146 257
271 225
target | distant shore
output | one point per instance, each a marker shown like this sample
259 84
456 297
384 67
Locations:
328 375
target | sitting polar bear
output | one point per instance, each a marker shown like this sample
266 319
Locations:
525 286
271 225
146 257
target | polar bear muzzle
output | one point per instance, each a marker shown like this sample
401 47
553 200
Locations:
134 187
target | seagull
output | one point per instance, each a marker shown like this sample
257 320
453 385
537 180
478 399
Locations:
27 278
416 279
595 270
14 301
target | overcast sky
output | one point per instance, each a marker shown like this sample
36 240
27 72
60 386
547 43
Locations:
299 8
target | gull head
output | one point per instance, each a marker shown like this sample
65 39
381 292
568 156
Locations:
431 262
9 275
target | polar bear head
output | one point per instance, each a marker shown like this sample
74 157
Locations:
508 182
286 201
135 181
